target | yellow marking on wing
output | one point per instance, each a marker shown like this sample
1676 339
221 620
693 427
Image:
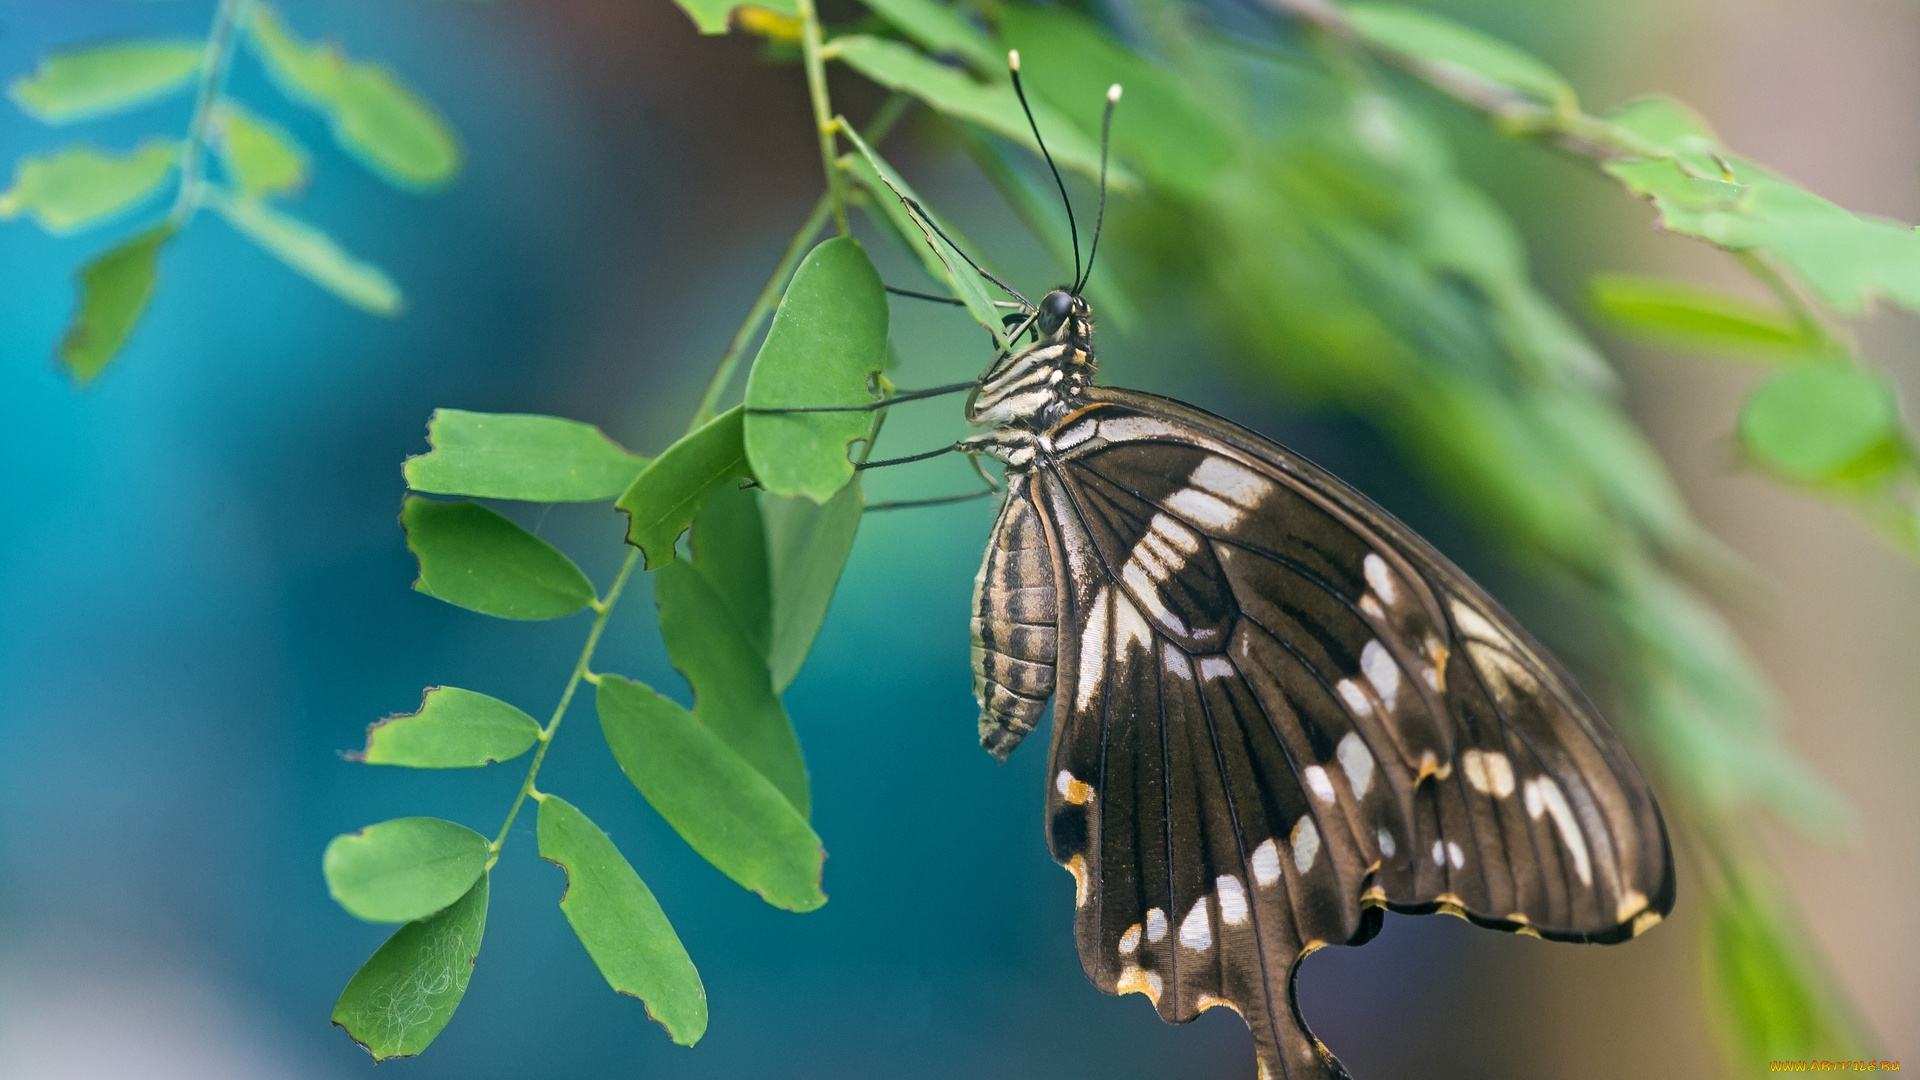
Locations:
1077 866
1646 921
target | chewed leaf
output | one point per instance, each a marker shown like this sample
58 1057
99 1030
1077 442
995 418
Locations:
1461 51
72 188
114 289
453 729
807 547
475 558
374 116
522 457
404 869
93 80
1687 315
616 917
405 993
711 16
828 338
662 500
1824 423
941 29
724 809
314 254
259 157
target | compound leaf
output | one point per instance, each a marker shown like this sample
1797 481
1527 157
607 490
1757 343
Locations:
114 289
405 993
474 557
1690 316
314 254
404 869
453 729
522 457
77 186
93 80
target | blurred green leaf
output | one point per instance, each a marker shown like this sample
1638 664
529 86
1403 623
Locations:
661 502
313 253
1461 52
1690 316
807 547
402 997
723 807
114 289
942 30
616 917
943 262
374 116
1768 999
92 80
711 15
404 869
828 337
453 729
78 186
1824 423
522 457
475 558
956 94
1158 125
259 157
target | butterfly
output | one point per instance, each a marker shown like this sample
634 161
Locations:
1278 712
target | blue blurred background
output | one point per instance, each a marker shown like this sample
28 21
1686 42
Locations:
204 599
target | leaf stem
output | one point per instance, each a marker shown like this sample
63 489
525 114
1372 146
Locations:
1803 314
581 670
823 120
213 73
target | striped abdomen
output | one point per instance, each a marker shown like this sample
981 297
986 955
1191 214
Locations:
1015 616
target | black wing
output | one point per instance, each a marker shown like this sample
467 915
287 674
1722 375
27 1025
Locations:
1279 711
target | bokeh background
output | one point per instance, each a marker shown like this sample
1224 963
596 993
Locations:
203 587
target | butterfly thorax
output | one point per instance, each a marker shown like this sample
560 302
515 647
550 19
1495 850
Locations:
1032 389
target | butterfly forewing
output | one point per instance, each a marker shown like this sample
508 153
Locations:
1280 710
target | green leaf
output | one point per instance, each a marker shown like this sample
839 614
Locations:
730 549
1689 316
405 993
723 807
314 254
828 337
942 260
1158 125
807 547
991 105
453 729
77 84
522 457
711 15
404 869
78 186
114 289
1767 996
621 924
475 558
259 156
662 500
374 116
1460 52
941 30
1824 423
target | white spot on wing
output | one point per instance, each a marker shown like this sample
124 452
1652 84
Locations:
1570 835
1130 940
1205 510
1535 804
1233 900
1266 863
1356 698
1156 925
1474 765
1216 667
1147 588
1093 650
1379 577
1306 844
1129 626
1387 846
1455 856
1475 625
1357 762
1381 670
1196 930
1322 786
1439 853
1231 481
1500 774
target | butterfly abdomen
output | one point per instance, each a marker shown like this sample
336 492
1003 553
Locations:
1015 631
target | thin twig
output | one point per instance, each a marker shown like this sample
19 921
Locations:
214 61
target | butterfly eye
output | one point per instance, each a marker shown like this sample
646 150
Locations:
1054 309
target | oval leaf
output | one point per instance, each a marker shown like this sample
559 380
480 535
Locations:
405 993
1821 422
1461 51
404 869
516 456
828 337
1679 313
314 254
729 813
79 186
807 547
616 917
259 156
375 117
471 556
453 729
711 16
664 497
75 84
942 30
114 289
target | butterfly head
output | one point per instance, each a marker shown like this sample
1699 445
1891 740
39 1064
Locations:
1059 310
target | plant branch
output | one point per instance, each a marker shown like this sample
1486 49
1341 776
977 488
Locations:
1803 314
822 111
213 72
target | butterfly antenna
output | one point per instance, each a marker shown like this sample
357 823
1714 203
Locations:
927 219
1013 66
1100 216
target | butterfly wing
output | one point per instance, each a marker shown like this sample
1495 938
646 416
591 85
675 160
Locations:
1279 710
